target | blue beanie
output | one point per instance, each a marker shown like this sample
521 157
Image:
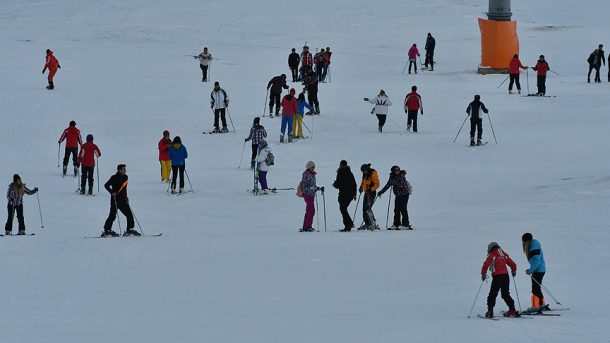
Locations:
89 138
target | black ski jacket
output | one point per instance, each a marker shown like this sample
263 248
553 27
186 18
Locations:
114 184
345 183
293 60
474 107
276 84
430 44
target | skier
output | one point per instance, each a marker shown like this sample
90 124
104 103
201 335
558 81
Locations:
402 190
178 154
541 68
274 87
309 188
166 163
219 101
595 60
476 122
345 182
52 64
412 104
430 45
73 140
535 257
311 85
368 185
413 54
289 109
14 195
318 60
117 187
257 135
306 62
513 73
264 164
204 62
297 123
327 55
293 64
496 262
381 103
88 153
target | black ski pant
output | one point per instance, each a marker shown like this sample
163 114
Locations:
274 98
412 62
514 78
74 152
429 59
87 174
11 213
536 289
412 119
344 202
367 207
295 73
254 152
400 209
123 206
175 171
204 71
319 68
500 283
381 118
596 67
220 113
312 98
476 124
541 83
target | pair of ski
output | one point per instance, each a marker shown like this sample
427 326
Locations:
540 96
528 315
175 194
27 234
123 236
213 132
474 145
273 190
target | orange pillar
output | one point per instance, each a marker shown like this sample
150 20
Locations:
499 42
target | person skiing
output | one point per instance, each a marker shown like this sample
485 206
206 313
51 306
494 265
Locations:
513 72
178 154
88 153
430 45
368 185
311 85
117 187
264 164
413 54
289 109
274 87
297 123
166 163
306 62
14 195
326 64
345 182
535 257
318 60
402 190
412 104
595 60
541 68
496 262
219 101
73 140
52 64
205 58
309 188
293 64
381 103
257 135
476 121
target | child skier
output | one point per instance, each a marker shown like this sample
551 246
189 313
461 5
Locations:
309 188
264 164
413 54
369 185
381 103
289 109
476 122
496 262
257 135
14 195
178 154
535 257
88 153
73 140
402 189
166 163
297 123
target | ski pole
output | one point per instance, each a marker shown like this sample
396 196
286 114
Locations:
324 207
554 73
97 169
405 67
329 78
317 214
464 122
546 289
527 75
517 293
39 211
265 104
303 121
387 216
78 179
421 66
492 128
58 148
116 207
189 180
231 120
475 298
500 85
242 155
356 209
209 76
172 179
254 172
136 218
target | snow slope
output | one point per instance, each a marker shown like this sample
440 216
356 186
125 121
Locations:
231 267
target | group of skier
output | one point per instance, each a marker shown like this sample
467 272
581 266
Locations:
87 157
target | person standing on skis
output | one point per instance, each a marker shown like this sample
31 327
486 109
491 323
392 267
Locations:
205 58
264 164
219 101
513 72
541 68
14 195
73 140
496 262
178 154
430 46
293 64
297 123
368 185
412 104
88 153
595 60
166 163
535 257
476 121
402 190
117 187
307 189
52 65
381 103
275 86
413 54
289 110
346 184
257 135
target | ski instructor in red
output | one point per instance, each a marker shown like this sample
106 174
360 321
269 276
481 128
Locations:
52 64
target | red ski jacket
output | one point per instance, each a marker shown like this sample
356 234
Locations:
515 64
496 262
327 55
541 68
413 102
289 106
306 59
72 137
413 52
51 62
87 154
164 149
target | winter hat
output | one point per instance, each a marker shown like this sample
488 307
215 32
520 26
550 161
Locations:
394 168
49 51
283 76
541 56
292 91
310 165
477 97
491 245
72 123
257 120
16 177
166 133
177 140
382 92
365 167
414 88
343 163
527 237
89 138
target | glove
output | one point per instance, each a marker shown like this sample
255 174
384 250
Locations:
35 189
321 189
360 190
528 272
58 66
422 112
379 194
366 99
58 142
212 106
514 273
483 277
226 103
245 140
43 71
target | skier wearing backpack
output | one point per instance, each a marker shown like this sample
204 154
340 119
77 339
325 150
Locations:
541 68
117 187
73 140
402 190
496 262
178 154
219 101
595 60
535 257
166 163
257 135
513 72
204 62
345 182
368 185
52 65
14 195
88 153
476 121
413 54
412 104
275 86
293 64
289 109
381 103
264 161
297 123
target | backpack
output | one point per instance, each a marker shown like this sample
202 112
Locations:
300 189
270 159
591 58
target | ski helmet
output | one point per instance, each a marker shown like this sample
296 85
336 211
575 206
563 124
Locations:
491 245
394 169
89 138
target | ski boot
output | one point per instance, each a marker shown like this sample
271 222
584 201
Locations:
7 232
519 91
173 190
408 128
510 92
216 130
65 170
181 190
393 227
403 227
224 130
90 192
289 138
281 138
132 232
265 192
21 233
471 141
270 112
317 109
82 191
479 142
252 163
380 129
109 233
75 170
511 313
489 314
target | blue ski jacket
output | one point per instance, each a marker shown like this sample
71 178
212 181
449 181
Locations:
536 258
